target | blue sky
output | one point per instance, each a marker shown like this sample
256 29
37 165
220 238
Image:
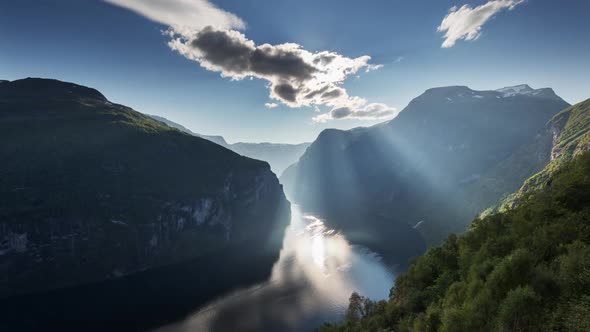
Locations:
544 43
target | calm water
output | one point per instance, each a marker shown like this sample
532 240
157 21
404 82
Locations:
309 284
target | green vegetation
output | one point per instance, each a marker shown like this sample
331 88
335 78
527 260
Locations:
525 269
571 136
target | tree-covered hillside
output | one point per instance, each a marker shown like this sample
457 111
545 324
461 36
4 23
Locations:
525 269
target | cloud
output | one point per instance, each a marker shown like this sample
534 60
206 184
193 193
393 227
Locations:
296 77
271 105
466 22
183 15
373 111
373 67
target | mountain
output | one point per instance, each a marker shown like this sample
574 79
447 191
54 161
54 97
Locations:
279 156
92 190
525 269
418 172
215 139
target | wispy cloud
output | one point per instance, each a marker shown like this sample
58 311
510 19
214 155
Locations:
373 67
373 111
466 22
296 77
183 15
271 105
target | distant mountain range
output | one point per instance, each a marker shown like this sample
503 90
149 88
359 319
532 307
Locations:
215 139
91 190
451 153
279 156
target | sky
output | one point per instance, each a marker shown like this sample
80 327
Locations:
282 71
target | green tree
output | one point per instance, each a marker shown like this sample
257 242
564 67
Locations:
519 311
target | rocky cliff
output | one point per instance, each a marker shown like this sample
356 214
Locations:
569 132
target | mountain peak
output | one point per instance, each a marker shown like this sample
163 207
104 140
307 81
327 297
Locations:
48 88
452 89
445 93
460 93
521 89
526 90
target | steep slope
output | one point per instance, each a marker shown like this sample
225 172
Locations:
570 133
279 156
525 269
419 168
92 190
507 176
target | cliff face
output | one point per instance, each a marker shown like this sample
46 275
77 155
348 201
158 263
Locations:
93 190
570 135
555 128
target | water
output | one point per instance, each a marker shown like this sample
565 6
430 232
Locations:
310 284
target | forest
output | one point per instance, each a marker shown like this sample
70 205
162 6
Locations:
525 269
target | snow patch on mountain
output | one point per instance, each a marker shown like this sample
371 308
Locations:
522 89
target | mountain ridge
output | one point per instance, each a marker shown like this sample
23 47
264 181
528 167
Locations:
279 155
39 88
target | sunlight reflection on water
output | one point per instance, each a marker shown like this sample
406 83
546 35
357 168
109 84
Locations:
310 283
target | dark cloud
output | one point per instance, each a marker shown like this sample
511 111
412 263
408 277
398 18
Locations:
324 59
296 76
286 91
218 48
268 60
315 93
239 56
332 94
341 112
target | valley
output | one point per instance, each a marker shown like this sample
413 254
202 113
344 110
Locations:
294 166
85 215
